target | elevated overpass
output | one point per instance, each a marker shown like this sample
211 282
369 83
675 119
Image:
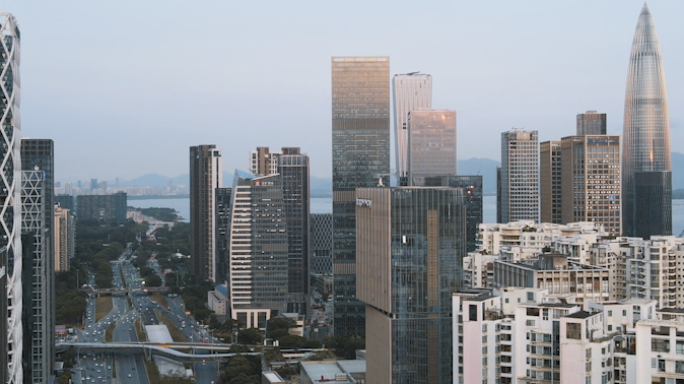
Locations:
105 291
166 350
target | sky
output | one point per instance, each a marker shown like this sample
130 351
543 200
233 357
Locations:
125 87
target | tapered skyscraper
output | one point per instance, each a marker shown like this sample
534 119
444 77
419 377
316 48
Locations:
646 171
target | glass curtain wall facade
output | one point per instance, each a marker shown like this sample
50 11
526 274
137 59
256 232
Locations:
10 205
38 272
294 171
206 174
410 248
519 176
472 197
321 243
37 163
591 123
222 216
258 280
360 135
646 135
409 91
431 143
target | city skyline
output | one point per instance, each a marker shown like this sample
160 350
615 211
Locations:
536 74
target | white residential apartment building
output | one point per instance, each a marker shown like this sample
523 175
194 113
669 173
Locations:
649 269
524 239
527 336
478 270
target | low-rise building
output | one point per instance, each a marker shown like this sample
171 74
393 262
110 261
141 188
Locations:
217 300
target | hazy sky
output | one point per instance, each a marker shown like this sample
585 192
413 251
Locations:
124 87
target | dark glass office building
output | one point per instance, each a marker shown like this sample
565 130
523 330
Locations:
321 243
472 197
37 198
360 135
102 207
653 202
293 168
223 197
410 249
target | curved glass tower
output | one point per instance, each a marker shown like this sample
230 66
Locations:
646 172
10 203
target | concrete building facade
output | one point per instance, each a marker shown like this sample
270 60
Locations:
519 176
206 174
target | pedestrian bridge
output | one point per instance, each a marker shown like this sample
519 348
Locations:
169 350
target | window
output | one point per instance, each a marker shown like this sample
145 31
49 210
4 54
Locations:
472 312
679 366
573 331
610 313
660 345
661 365
680 347
624 312
529 323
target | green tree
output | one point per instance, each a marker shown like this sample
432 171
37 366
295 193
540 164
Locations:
250 336
153 281
291 341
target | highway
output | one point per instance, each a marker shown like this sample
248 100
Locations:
96 367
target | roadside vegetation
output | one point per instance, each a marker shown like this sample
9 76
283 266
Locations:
162 214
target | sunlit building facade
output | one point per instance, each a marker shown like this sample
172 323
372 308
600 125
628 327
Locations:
410 250
361 157
646 163
409 92
431 143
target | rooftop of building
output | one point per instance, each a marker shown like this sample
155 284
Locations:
480 298
671 310
327 371
222 289
580 315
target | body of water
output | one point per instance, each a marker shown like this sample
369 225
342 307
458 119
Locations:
324 205
182 205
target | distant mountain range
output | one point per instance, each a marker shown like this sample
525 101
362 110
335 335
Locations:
322 186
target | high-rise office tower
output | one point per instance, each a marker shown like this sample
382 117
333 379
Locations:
519 176
360 130
258 246
293 168
409 91
94 185
550 181
205 176
590 180
410 249
37 163
591 123
37 276
10 204
263 161
431 143
646 138
222 205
